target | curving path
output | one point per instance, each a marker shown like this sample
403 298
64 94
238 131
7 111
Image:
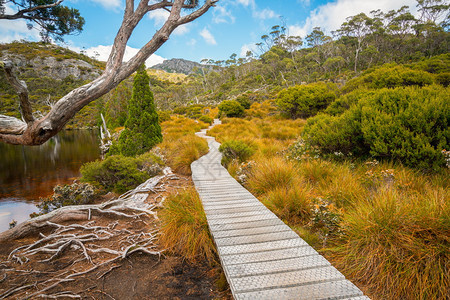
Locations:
261 256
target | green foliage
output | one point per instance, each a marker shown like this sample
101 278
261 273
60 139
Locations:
390 76
231 109
119 173
206 119
142 130
63 195
303 101
244 100
235 150
410 125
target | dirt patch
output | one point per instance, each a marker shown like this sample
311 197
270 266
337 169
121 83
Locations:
107 257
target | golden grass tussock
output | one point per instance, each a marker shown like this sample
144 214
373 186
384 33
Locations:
398 245
180 145
272 173
292 204
182 152
184 229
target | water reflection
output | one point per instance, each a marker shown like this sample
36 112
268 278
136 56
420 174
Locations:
27 173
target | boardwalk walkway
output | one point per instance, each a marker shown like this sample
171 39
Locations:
261 256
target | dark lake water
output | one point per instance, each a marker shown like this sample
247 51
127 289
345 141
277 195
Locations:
30 172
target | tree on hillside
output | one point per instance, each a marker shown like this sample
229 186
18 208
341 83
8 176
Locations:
33 131
53 19
142 130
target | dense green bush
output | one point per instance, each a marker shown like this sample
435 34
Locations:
302 101
389 76
119 173
244 100
410 125
235 150
231 108
206 119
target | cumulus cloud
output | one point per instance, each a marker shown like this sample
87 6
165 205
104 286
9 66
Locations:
208 37
102 52
248 47
264 14
14 30
222 15
330 16
109 4
250 3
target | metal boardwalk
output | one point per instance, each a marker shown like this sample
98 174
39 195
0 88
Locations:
261 256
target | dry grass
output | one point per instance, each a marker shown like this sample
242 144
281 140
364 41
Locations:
180 144
393 230
185 229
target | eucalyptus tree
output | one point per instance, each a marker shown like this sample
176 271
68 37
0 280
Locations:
52 18
32 131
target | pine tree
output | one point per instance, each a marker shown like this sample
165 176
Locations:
142 130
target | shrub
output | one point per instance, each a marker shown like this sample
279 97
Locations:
244 100
184 228
303 101
206 119
64 195
405 124
390 76
235 150
231 109
116 173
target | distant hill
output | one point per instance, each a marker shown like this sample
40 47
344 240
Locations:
178 65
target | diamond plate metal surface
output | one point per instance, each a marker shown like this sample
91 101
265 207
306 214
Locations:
261 256
326 290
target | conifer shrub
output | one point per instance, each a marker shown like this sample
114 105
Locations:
302 101
231 109
235 150
142 130
409 125
244 100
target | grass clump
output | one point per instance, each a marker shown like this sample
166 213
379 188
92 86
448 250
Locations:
271 174
184 228
399 245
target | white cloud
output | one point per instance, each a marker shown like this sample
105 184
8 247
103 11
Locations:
330 16
191 42
250 3
14 30
264 14
248 47
102 52
208 37
109 4
222 15
159 16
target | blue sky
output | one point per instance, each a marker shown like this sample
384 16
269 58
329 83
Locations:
233 26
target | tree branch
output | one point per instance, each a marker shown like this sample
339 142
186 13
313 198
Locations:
21 90
36 132
20 14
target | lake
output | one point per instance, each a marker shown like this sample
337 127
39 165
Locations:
30 172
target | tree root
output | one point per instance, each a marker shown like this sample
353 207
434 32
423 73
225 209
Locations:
76 249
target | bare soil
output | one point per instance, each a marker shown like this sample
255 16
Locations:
100 275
